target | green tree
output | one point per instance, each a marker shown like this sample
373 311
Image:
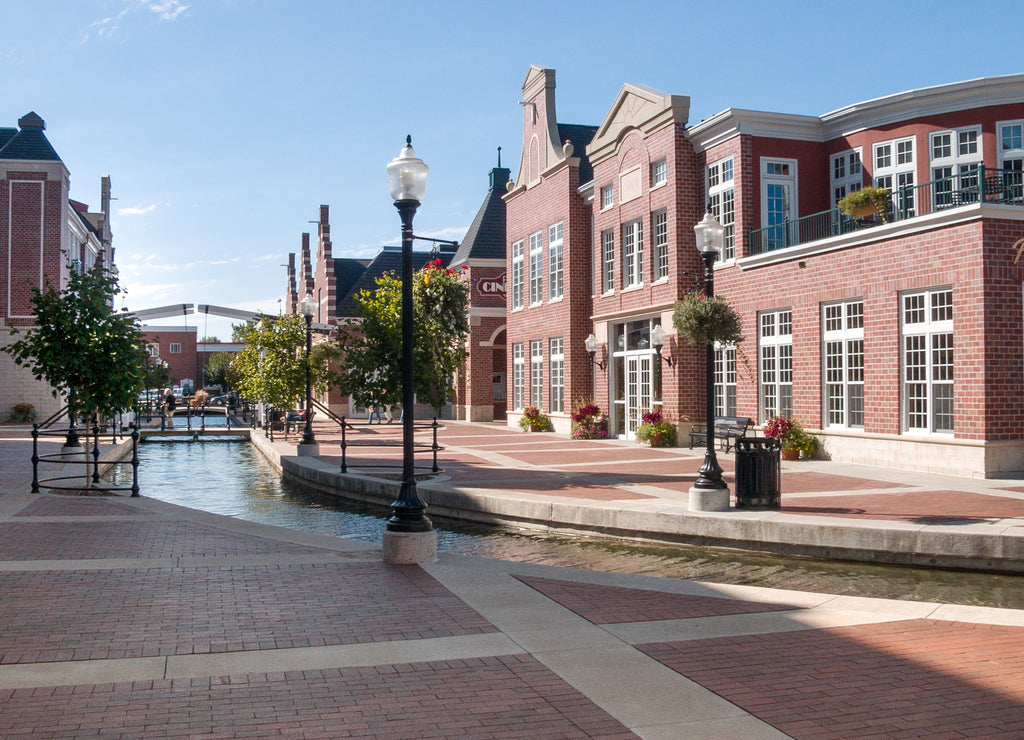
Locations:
209 340
217 365
441 325
271 367
95 357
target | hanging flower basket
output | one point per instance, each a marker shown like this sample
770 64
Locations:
867 202
701 319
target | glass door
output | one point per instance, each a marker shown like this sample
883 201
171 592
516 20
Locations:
636 386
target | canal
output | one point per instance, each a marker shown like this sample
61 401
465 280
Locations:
233 479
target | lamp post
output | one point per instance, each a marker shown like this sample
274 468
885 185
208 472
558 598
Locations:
409 536
709 484
308 307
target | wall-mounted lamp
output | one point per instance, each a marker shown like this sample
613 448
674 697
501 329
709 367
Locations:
657 341
591 344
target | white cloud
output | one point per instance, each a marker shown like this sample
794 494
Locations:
105 28
136 210
168 10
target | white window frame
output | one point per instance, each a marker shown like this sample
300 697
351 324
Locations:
895 167
847 173
607 196
1011 157
517 274
659 173
954 168
536 373
608 261
555 269
775 363
536 268
778 171
842 358
633 253
926 362
725 379
518 367
174 348
721 199
556 397
659 229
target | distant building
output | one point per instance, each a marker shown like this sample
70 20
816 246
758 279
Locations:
44 237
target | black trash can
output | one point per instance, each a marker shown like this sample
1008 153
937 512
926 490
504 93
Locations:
758 473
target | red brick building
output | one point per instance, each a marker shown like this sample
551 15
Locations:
44 237
896 341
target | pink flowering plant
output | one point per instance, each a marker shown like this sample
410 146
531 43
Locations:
589 423
701 319
791 435
534 420
777 426
655 430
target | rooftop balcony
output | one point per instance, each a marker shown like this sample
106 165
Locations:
976 185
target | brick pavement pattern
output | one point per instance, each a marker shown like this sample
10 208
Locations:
914 678
616 605
923 507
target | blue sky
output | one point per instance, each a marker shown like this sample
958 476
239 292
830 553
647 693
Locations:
224 124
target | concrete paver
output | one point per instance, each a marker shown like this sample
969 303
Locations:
127 618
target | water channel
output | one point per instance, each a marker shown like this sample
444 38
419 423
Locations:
233 479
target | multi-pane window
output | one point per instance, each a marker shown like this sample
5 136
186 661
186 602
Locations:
847 174
518 366
175 348
536 262
721 202
557 372
607 261
778 203
725 379
517 274
955 158
1011 158
607 196
659 173
536 373
632 253
659 224
894 170
927 360
775 363
843 358
555 273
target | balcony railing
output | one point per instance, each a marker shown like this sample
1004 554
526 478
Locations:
976 185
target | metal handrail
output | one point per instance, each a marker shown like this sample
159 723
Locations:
434 446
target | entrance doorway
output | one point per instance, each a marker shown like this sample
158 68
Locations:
635 376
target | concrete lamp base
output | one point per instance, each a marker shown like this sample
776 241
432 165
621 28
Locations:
410 548
308 450
709 499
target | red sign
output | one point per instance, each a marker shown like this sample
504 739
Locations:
492 286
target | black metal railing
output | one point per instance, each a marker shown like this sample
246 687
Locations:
363 440
88 459
975 185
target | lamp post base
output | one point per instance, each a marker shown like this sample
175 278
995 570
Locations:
308 449
709 499
410 548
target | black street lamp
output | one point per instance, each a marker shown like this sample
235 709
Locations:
710 238
407 174
308 307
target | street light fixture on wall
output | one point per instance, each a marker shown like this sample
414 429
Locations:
591 344
658 341
409 537
710 237
308 306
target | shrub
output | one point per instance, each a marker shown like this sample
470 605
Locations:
534 420
23 413
656 431
589 423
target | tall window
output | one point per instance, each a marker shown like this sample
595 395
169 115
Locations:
725 379
557 365
607 196
659 224
955 158
175 348
517 275
555 261
927 361
607 261
536 373
517 375
1011 158
775 363
721 198
894 170
536 260
633 253
847 174
659 173
843 357
778 202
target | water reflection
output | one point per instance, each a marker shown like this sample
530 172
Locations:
231 478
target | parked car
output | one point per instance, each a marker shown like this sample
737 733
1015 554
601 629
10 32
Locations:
217 401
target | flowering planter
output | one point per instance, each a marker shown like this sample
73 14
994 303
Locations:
791 454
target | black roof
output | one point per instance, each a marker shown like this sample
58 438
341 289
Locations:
486 236
387 260
29 143
580 136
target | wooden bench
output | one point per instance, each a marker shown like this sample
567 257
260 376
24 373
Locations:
728 428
